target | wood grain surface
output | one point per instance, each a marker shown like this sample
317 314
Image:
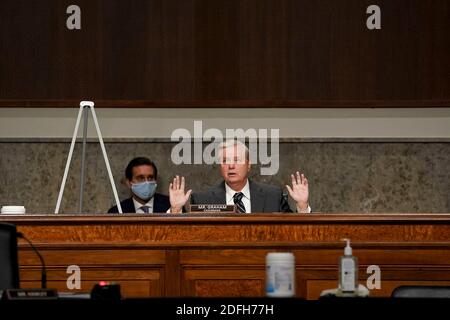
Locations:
200 255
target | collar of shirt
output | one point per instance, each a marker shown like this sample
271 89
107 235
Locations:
230 193
138 205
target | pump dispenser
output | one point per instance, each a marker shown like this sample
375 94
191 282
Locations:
348 270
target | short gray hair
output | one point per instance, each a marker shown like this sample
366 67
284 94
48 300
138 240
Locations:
234 142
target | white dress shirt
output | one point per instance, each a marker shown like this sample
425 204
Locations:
138 205
245 199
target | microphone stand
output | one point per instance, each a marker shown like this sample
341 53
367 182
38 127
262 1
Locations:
43 268
32 294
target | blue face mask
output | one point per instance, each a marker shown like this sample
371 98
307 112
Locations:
144 190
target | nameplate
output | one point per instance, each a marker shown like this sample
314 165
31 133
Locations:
30 294
212 208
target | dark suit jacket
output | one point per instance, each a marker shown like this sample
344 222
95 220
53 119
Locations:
263 197
161 204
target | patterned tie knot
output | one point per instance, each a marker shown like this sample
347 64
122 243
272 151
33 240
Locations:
237 196
145 208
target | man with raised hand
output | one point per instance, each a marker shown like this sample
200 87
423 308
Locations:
237 189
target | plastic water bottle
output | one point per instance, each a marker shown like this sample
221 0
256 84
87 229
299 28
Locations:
280 274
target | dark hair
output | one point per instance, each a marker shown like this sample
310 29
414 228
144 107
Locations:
136 162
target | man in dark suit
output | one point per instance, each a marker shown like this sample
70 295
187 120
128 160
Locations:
236 188
263 197
141 174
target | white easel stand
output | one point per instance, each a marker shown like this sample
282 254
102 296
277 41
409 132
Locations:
84 107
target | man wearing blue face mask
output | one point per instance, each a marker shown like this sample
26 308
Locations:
141 176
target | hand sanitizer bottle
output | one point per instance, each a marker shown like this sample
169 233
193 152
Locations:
348 270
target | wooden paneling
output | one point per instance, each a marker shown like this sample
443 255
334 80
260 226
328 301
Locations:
224 281
225 53
65 255
199 255
250 231
140 272
133 282
229 288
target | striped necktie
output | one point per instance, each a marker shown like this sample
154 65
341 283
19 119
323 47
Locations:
145 209
237 198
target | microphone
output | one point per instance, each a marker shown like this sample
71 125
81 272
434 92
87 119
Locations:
43 269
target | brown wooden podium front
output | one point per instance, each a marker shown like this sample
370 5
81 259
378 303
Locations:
168 255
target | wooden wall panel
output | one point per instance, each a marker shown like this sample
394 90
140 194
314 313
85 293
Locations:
133 283
223 281
140 272
225 53
251 231
229 288
139 254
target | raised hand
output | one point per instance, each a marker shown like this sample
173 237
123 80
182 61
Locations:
177 196
299 191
